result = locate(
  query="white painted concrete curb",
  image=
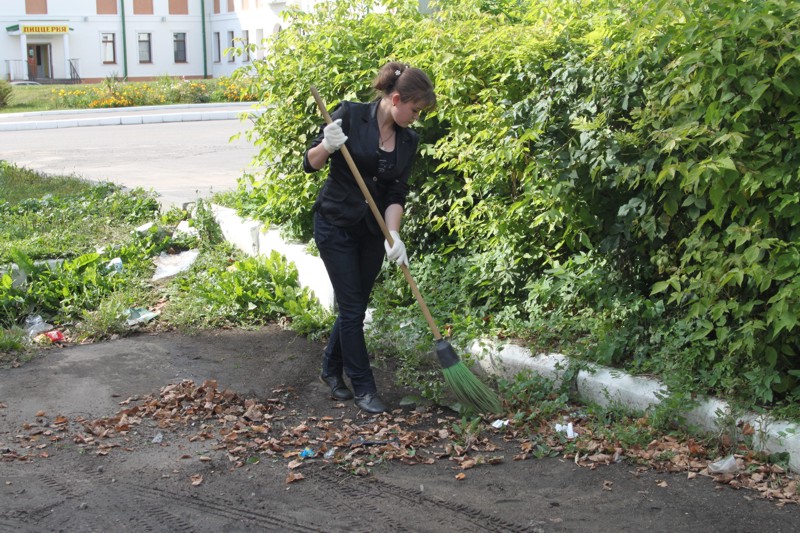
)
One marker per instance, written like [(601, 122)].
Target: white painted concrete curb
[(128, 116), (606, 386), (601, 385), (253, 239), (123, 120)]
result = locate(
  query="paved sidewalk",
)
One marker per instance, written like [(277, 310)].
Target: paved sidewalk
[(72, 118)]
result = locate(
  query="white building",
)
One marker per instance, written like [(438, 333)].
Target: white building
[(89, 40)]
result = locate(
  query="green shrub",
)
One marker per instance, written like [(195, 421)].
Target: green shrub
[(6, 93), (626, 173)]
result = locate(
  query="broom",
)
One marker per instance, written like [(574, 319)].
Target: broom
[(468, 389)]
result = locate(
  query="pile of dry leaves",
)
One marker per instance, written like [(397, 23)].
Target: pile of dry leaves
[(245, 430)]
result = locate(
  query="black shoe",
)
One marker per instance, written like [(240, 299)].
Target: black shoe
[(371, 403), (339, 390)]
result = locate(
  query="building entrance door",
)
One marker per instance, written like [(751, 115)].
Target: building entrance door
[(40, 65)]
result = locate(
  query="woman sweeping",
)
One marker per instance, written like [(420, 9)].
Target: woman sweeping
[(348, 237)]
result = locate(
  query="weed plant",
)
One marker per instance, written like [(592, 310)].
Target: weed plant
[(6, 93), (104, 268), (46, 218)]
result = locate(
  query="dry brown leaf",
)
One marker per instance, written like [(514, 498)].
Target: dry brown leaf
[(607, 485), (197, 479), (662, 484), (468, 463), (460, 476), (294, 476)]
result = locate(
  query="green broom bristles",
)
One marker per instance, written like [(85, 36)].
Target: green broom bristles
[(470, 390)]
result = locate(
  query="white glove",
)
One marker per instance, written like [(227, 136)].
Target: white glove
[(334, 137), (396, 252)]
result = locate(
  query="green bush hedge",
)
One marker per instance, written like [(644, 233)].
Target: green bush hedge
[(627, 175), (6, 93)]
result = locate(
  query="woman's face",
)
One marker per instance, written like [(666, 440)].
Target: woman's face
[(405, 113)]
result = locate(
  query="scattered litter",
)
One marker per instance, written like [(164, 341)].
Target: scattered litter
[(55, 336), (158, 438), (330, 453), (723, 466), (144, 228), (307, 452), (35, 325), (139, 315), (497, 424), (115, 264), (567, 429), (169, 265), (184, 228)]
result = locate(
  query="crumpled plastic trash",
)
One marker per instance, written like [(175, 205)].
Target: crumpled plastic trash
[(158, 438), (726, 465), (307, 452), (497, 424), (567, 429), (35, 325), (183, 227), (115, 265), (139, 315), (55, 336), (169, 265)]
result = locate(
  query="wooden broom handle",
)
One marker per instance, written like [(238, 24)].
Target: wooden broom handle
[(379, 217)]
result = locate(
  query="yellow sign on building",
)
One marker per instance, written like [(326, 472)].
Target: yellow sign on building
[(44, 29)]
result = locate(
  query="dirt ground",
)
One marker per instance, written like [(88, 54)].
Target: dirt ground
[(130, 435)]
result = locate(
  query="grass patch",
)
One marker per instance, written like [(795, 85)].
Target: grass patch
[(104, 275), (18, 184), (63, 217), (29, 98)]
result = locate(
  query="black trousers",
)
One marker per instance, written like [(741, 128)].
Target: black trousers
[(353, 257)]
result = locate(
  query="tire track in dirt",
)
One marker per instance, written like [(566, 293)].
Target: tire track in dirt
[(130, 507), (460, 517), (221, 508)]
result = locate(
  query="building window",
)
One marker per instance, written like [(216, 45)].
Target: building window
[(109, 48), (178, 7), (245, 42), (245, 5), (231, 7), (217, 49), (216, 6), (142, 7), (144, 48), (231, 44), (36, 7), (179, 46), (107, 7)]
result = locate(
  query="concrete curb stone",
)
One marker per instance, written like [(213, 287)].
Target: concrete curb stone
[(124, 116)]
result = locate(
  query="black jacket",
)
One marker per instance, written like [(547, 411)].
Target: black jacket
[(340, 201)]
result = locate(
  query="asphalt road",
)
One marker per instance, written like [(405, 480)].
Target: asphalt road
[(180, 160)]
